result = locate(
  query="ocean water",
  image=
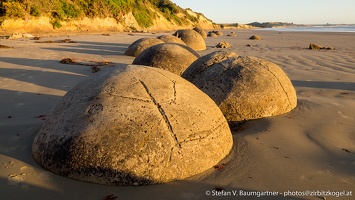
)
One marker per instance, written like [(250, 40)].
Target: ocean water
[(317, 28)]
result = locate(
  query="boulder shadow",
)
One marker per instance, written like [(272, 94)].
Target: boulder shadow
[(95, 48), (64, 78)]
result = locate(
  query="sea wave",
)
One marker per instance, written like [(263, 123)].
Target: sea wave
[(316, 28)]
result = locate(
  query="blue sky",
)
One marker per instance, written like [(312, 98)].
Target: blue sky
[(296, 11)]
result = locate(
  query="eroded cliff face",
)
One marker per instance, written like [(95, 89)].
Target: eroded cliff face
[(125, 23), (203, 21)]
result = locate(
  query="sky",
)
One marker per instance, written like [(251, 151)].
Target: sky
[(292, 11)]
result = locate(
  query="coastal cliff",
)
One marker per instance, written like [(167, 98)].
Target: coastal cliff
[(94, 15)]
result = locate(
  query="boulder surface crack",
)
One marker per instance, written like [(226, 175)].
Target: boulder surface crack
[(162, 113), (134, 99), (206, 133), (174, 84), (174, 87), (277, 78)]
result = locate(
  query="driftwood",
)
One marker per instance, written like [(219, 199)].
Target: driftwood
[(93, 64)]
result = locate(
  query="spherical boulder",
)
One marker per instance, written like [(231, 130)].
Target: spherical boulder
[(244, 88), (172, 57), (191, 38), (201, 32), (133, 125), (255, 37), (171, 39), (139, 45), (212, 34)]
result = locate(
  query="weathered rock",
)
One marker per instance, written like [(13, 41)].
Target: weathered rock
[(133, 125), (191, 38), (243, 87), (15, 35), (223, 44), (314, 47), (27, 35), (4, 47), (171, 57), (255, 37), (171, 39), (212, 34), (317, 47), (201, 32), (232, 34), (219, 33), (139, 45)]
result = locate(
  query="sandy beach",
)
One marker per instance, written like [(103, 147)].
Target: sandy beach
[(311, 148)]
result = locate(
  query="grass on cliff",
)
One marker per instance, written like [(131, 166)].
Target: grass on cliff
[(60, 10)]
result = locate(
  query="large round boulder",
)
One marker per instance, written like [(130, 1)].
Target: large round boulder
[(139, 45), (191, 38), (133, 125), (255, 37), (171, 39), (243, 87), (201, 32), (172, 57)]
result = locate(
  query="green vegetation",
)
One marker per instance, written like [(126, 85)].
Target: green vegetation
[(56, 24), (60, 10), (269, 24)]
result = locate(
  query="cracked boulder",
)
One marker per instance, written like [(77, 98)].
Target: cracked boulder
[(171, 39), (140, 45), (133, 125), (244, 88), (192, 39), (174, 58), (223, 45)]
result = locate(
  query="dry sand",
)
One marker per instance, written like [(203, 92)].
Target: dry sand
[(311, 148)]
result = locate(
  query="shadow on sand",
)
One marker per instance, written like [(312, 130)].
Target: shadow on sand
[(95, 48), (325, 85)]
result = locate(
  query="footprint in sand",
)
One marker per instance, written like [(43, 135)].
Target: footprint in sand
[(319, 173), (344, 116), (18, 180), (15, 179)]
